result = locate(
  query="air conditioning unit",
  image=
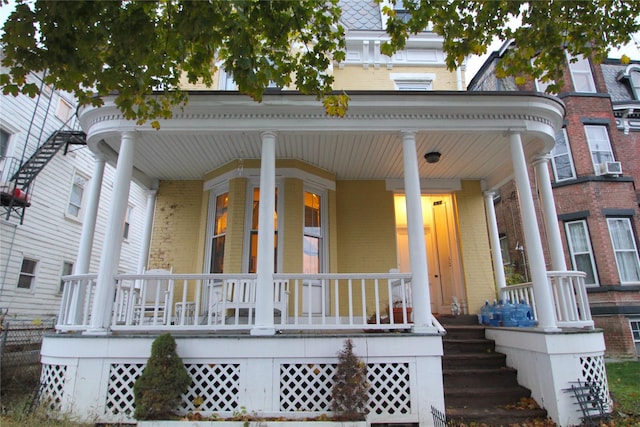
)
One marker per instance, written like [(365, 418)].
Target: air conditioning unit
[(610, 168)]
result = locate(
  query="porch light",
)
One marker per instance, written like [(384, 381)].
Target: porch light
[(432, 157)]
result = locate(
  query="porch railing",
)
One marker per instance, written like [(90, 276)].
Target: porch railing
[(571, 304), (161, 301)]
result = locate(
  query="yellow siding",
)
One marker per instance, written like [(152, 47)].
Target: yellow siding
[(292, 233), (366, 230), (177, 226), (474, 245), (357, 78), (234, 240)]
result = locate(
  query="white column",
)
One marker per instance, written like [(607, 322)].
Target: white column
[(265, 270), (83, 259), (105, 286), (541, 286), (148, 227), (494, 238), (549, 213), (415, 228)]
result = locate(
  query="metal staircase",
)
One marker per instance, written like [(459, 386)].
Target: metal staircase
[(15, 196)]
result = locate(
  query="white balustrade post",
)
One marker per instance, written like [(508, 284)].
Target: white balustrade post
[(148, 226), (264, 323), (83, 259), (415, 228), (494, 238), (549, 214), (105, 284), (541, 286)]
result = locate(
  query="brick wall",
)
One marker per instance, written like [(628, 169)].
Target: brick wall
[(617, 336)]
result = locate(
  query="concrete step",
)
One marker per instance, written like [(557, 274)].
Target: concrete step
[(480, 378), (468, 361), (465, 332), (480, 398), (495, 416), (456, 346)]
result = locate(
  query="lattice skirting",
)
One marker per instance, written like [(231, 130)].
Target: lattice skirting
[(593, 371), (215, 388), (52, 380)]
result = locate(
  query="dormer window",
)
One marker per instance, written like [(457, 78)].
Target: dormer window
[(632, 74)]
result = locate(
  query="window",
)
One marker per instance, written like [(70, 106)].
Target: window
[(580, 250), (312, 244), (504, 250), (75, 199), (4, 143), (581, 75), (219, 233), (635, 331), (27, 273), (624, 247), (561, 158), (253, 235), (127, 222), (64, 110), (67, 269), (413, 81), (599, 145)]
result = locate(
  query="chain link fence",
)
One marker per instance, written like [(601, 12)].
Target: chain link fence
[(20, 343)]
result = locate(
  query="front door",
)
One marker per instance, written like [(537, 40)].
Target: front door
[(443, 261)]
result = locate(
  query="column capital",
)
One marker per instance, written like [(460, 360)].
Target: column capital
[(268, 134), (490, 194), (408, 134), (543, 158)]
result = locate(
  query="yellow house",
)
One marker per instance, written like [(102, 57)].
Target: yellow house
[(276, 232)]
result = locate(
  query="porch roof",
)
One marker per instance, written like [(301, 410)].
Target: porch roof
[(470, 130)]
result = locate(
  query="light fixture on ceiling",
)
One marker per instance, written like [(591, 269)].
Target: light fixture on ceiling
[(432, 157)]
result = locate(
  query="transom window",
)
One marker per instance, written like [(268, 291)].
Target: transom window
[(27, 273), (561, 158), (624, 247), (580, 250), (599, 145)]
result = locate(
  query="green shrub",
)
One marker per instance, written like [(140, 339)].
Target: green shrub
[(157, 391), (350, 387)]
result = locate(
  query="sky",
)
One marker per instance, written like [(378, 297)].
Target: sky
[(473, 63)]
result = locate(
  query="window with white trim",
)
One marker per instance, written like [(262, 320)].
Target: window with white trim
[(4, 143), (581, 76), (635, 332), (67, 269), (625, 249), (64, 110), (27, 273), (413, 81), (580, 250), (561, 160), (504, 250), (127, 222), (218, 232), (313, 233), (253, 232), (599, 145), (76, 197)]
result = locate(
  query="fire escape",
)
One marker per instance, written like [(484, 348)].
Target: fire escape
[(15, 194)]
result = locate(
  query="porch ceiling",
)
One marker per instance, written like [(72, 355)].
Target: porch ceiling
[(470, 131)]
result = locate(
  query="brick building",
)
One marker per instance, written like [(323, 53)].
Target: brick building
[(595, 172)]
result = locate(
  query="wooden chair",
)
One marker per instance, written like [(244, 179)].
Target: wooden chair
[(152, 304)]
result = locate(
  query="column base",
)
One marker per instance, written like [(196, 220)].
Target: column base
[(263, 330)]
